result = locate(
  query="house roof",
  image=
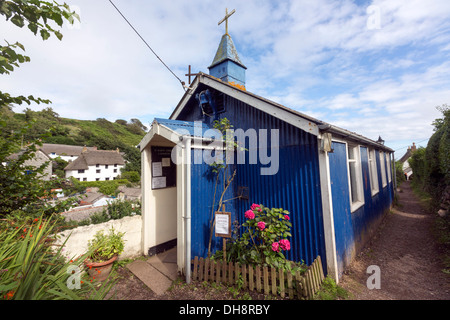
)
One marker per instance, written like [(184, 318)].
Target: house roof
[(64, 149), (293, 117), (226, 51), (15, 156), (94, 157)]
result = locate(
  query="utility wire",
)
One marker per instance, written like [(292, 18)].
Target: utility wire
[(182, 83)]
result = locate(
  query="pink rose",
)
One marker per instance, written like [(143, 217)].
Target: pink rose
[(261, 225), (276, 246), (254, 206), (285, 244), (249, 214), (287, 217)]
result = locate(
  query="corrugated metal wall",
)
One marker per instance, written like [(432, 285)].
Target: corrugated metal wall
[(295, 187), (354, 229)]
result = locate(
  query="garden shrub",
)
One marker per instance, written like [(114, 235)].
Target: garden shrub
[(264, 238)]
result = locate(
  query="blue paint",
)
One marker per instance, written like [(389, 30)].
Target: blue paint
[(295, 187), (353, 229), (226, 64)]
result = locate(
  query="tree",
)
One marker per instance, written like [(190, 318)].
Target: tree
[(20, 186), (37, 16)]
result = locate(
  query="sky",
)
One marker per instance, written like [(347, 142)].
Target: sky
[(377, 68)]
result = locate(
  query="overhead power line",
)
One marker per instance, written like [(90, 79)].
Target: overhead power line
[(129, 23)]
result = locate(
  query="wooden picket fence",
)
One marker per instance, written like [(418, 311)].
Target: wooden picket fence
[(264, 279)]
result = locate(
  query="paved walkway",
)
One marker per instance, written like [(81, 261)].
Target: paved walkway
[(157, 272)]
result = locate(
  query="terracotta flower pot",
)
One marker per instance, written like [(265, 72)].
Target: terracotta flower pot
[(100, 270)]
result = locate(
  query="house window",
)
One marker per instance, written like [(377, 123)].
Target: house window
[(84, 179), (115, 166), (106, 166), (383, 169), (97, 171), (106, 179), (115, 170), (97, 179), (355, 177), (81, 171), (373, 172), (97, 166)]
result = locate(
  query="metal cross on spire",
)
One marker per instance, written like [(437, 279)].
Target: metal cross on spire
[(227, 15)]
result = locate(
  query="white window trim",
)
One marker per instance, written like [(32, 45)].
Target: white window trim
[(383, 169), (389, 167), (373, 172), (354, 205)]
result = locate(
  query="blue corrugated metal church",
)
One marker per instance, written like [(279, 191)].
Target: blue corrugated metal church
[(336, 184)]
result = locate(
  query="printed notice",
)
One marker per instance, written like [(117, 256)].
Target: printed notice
[(223, 224), (165, 162), (157, 169), (158, 182)]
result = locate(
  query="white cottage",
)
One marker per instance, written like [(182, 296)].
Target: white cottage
[(96, 165)]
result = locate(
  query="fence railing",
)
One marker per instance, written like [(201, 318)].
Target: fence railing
[(264, 279)]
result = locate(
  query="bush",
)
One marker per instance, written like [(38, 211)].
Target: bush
[(30, 269), (132, 176), (265, 237)]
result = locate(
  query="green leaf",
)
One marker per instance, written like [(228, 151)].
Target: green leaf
[(33, 27), (45, 34), (17, 20)]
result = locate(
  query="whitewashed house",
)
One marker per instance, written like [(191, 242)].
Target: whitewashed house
[(64, 151), (96, 165)]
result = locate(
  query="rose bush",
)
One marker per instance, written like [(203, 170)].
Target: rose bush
[(263, 238)]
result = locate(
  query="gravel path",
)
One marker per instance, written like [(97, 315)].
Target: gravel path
[(405, 250)]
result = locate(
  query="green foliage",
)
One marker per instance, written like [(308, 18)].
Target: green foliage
[(106, 187), (399, 172), (118, 209), (132, 176), (36, 15), (31, 269), (104, 246), (431, 166), (21, 185), (263, 239), (329, 290), (101, 133)]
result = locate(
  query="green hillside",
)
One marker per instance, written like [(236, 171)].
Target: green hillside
[(100, 133)]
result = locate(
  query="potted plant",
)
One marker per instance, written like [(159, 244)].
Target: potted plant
[(104, 250)]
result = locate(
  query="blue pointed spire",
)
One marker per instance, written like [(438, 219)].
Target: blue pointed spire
[(226, 64)]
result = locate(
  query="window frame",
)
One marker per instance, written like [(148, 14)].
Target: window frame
[(373, 172), (358, 187), (383, 169)]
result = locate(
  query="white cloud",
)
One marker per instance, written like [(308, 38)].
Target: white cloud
[(318, 57)]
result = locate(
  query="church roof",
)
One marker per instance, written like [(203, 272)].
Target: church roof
[(226, 51)]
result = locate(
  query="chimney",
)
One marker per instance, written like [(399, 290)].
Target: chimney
[(413, 148), (84, 150)]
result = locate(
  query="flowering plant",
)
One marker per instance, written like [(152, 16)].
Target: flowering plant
[(264, 237)]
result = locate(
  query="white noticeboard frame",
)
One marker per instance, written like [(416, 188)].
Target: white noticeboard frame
[(223, 224)]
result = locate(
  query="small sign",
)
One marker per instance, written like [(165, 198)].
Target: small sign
[(223, 224), (158, 182), (157, 169)]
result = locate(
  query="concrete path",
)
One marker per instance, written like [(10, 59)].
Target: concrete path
[(157, 272)]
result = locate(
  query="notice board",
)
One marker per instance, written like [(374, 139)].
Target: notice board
[(164, 171)]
